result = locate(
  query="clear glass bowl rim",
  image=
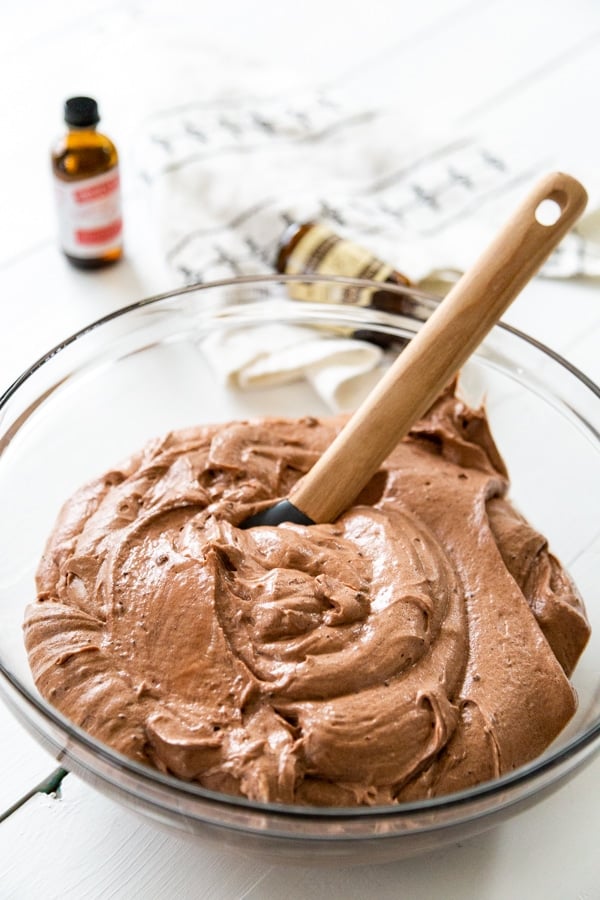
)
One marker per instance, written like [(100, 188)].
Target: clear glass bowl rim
[(190, 790)]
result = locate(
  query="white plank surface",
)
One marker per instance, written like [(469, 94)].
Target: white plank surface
[(530, 70)]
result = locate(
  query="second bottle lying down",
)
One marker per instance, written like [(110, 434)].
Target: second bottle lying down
[(312, 248)]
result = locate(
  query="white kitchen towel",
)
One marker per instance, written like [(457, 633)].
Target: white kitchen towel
[(225, 179), (338, 368)]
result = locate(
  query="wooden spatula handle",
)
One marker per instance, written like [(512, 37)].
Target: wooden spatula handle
[(437, 352)]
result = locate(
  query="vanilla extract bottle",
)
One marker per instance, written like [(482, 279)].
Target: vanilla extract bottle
[(311, 248), (85, 168)]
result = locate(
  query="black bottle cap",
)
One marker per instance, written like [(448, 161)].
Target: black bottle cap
[(81, 112)]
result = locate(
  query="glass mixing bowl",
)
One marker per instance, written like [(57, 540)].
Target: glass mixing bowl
[(141, 371)]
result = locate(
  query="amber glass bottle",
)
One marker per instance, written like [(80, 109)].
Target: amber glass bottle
[(85, 167), (314, 249)]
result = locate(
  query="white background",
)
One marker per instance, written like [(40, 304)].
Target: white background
[(526, 66)]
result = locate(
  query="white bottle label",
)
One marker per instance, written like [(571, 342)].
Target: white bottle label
[(89, 214)]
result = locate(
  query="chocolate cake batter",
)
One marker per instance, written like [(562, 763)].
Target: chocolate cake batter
[(420, 644)]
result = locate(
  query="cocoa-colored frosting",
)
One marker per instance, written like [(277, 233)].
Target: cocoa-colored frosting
[(420, 644)]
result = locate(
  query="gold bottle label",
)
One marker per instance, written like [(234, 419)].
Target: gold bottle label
[(321, 252)]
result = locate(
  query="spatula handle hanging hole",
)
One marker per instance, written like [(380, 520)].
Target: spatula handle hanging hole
[(548, 212)]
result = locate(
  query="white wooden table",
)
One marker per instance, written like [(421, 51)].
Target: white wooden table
[(456, 62)]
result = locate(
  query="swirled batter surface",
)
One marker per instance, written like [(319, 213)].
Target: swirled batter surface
[(420, 644)]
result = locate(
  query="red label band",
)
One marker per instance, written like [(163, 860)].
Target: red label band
[(97, 191), (98, 235)]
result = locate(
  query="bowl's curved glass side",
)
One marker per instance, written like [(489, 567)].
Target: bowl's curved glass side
[(358, 837), (57, 430)]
